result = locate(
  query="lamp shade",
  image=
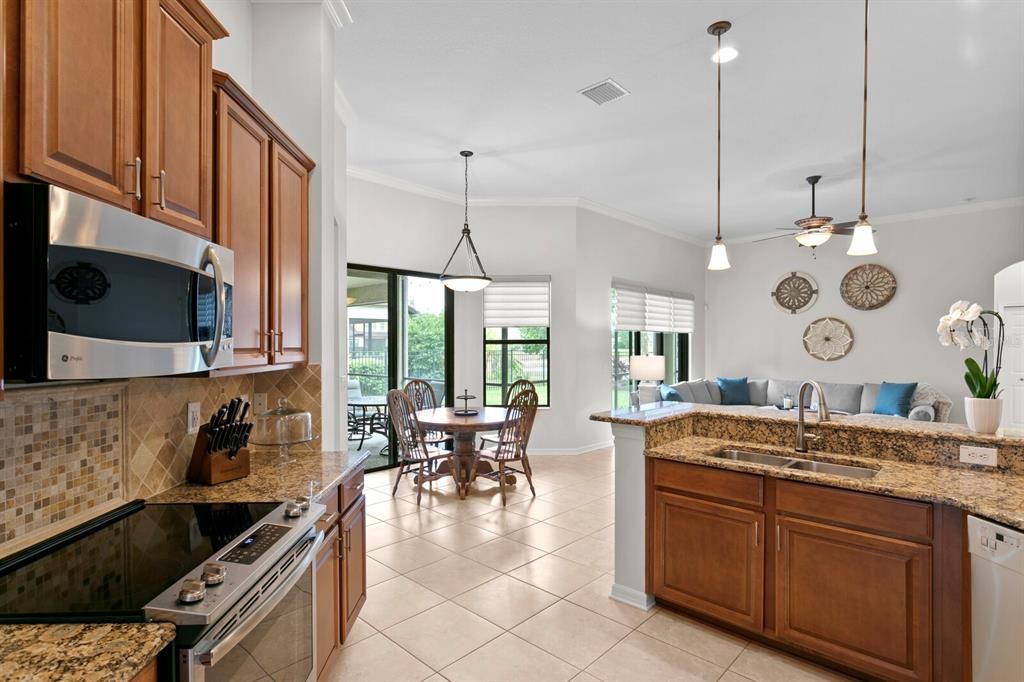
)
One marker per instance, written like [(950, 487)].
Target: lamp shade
[(719, 257), (814, 237), (863, 242), (647, 367)]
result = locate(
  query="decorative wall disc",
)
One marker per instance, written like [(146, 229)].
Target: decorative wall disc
[(867, 287), (795, 292), (828, 338)]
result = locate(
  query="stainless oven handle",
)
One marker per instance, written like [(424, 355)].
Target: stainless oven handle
[(210, 257), (218, 651)]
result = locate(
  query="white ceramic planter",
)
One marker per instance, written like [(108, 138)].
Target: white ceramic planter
[(983, 414)]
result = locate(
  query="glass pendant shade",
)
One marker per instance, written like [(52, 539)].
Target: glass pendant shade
[(863, 242), (813, 238), (719, 257), (465, 283)]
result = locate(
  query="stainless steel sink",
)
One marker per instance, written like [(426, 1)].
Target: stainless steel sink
[(795, 463), (753, 457), (828, 468)]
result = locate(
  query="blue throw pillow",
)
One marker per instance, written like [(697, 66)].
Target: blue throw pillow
[(894, 399), (734, 391), (669, 394)]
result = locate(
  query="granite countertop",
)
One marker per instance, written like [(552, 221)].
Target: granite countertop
[(79, 652), (272, 483), (653, 414), (997, 496)]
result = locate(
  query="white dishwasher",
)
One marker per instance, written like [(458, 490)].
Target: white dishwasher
[(997, 601)]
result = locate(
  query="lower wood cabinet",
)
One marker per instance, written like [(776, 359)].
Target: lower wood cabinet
[(709, 557), (872, 583), (340, 568), (327, 579), (353, 566), (861, 598)]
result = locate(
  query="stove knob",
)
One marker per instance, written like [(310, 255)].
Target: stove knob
[(191, 591), (303, 501), (293, 510), (214, 574)]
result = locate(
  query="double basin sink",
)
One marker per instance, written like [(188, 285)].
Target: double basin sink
[(795, 463)]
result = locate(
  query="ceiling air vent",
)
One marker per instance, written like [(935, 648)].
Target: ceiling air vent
[(604, 92)]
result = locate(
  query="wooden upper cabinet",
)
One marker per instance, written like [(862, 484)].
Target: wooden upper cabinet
[(709, 557), (289, 227), (243, 224), (179, 128), (856, 597), (81, 96)]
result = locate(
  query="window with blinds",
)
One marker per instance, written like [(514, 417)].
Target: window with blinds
[(646, 310), (517, 321)]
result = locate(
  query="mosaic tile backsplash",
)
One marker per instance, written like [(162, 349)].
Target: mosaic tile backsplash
[(67, 451)]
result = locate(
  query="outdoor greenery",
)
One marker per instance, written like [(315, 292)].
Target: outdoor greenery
[(426, 345)]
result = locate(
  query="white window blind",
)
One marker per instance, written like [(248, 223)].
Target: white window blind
[(518, 304), (646, 310)]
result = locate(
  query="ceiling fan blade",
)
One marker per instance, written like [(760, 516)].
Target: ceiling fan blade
[(792, 229), (844, 231), (849, 223), (777, 236)]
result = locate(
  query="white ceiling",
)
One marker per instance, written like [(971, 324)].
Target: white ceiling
[(426, 78)]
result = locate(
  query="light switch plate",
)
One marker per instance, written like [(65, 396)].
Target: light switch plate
[(193, 418), (259, 403), (975, 454)]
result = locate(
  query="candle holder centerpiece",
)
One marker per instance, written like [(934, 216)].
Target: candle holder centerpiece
[(466, 410)]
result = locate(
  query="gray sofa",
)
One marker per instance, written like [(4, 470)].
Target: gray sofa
[(928, 403)]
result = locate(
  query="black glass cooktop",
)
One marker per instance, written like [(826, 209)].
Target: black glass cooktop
[(110, 569)]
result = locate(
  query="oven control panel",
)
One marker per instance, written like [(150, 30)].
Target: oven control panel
[(253, 546)]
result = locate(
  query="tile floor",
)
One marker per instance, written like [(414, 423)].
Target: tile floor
[(464, 590)]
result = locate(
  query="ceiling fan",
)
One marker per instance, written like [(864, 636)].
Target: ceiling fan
[(814, 230)]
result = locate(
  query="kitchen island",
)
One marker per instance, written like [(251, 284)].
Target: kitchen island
[(867, 571)]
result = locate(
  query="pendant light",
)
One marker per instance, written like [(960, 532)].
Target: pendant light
[(476, 277), (719, 258), (863, 242)]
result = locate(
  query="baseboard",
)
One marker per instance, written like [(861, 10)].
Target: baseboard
[(635, 598), (573, 451)]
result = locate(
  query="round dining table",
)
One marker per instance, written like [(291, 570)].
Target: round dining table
[(464, 430)]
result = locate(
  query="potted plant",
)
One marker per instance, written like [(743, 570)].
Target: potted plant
[(964, 326)]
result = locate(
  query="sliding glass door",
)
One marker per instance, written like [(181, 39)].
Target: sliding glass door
[(400, 328)]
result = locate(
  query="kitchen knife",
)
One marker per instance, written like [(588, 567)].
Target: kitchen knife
[(245, 411), (233, 409)]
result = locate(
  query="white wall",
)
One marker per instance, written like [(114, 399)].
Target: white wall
[(234, 53), (610, 249), (936, 259), (582, 251)]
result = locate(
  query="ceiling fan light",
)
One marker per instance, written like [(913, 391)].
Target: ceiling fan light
[(813, 238), (863, 242), (719, 258)]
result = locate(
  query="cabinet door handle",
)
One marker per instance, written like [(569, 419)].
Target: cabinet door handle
[(348, 539), (757, 533), (162, 178), (271, 335), (138, 178), (341, 548), (778, 538)]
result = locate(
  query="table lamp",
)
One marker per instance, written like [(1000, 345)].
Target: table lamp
[(645, 368)]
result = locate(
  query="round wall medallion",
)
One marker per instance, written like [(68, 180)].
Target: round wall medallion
[(795, 292), (867, 287), (828, 338)]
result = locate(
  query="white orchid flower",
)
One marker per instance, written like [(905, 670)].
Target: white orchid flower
[(961, 338), (957, 309), (980, 340), (972, 313)]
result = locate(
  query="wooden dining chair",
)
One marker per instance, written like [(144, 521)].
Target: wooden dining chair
[(423, 398), (517, 387), (512, 439), (415, 456)]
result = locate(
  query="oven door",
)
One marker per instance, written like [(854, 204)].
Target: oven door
[(270, 635)]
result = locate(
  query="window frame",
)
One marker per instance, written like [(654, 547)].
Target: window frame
[(682, 360), (504, 342)]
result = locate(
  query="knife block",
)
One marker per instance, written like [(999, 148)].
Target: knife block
[(211, 468)]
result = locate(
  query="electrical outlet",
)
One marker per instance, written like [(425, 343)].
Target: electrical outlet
[(259, 403), (974, 454), (193, 420)]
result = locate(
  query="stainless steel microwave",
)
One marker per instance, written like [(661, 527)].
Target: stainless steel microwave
[(92, 291)]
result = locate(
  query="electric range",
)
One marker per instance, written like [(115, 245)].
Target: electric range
[(217, 571)]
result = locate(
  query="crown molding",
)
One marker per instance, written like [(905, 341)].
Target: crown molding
[(879, 221), (538, 202), (338, 13)]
